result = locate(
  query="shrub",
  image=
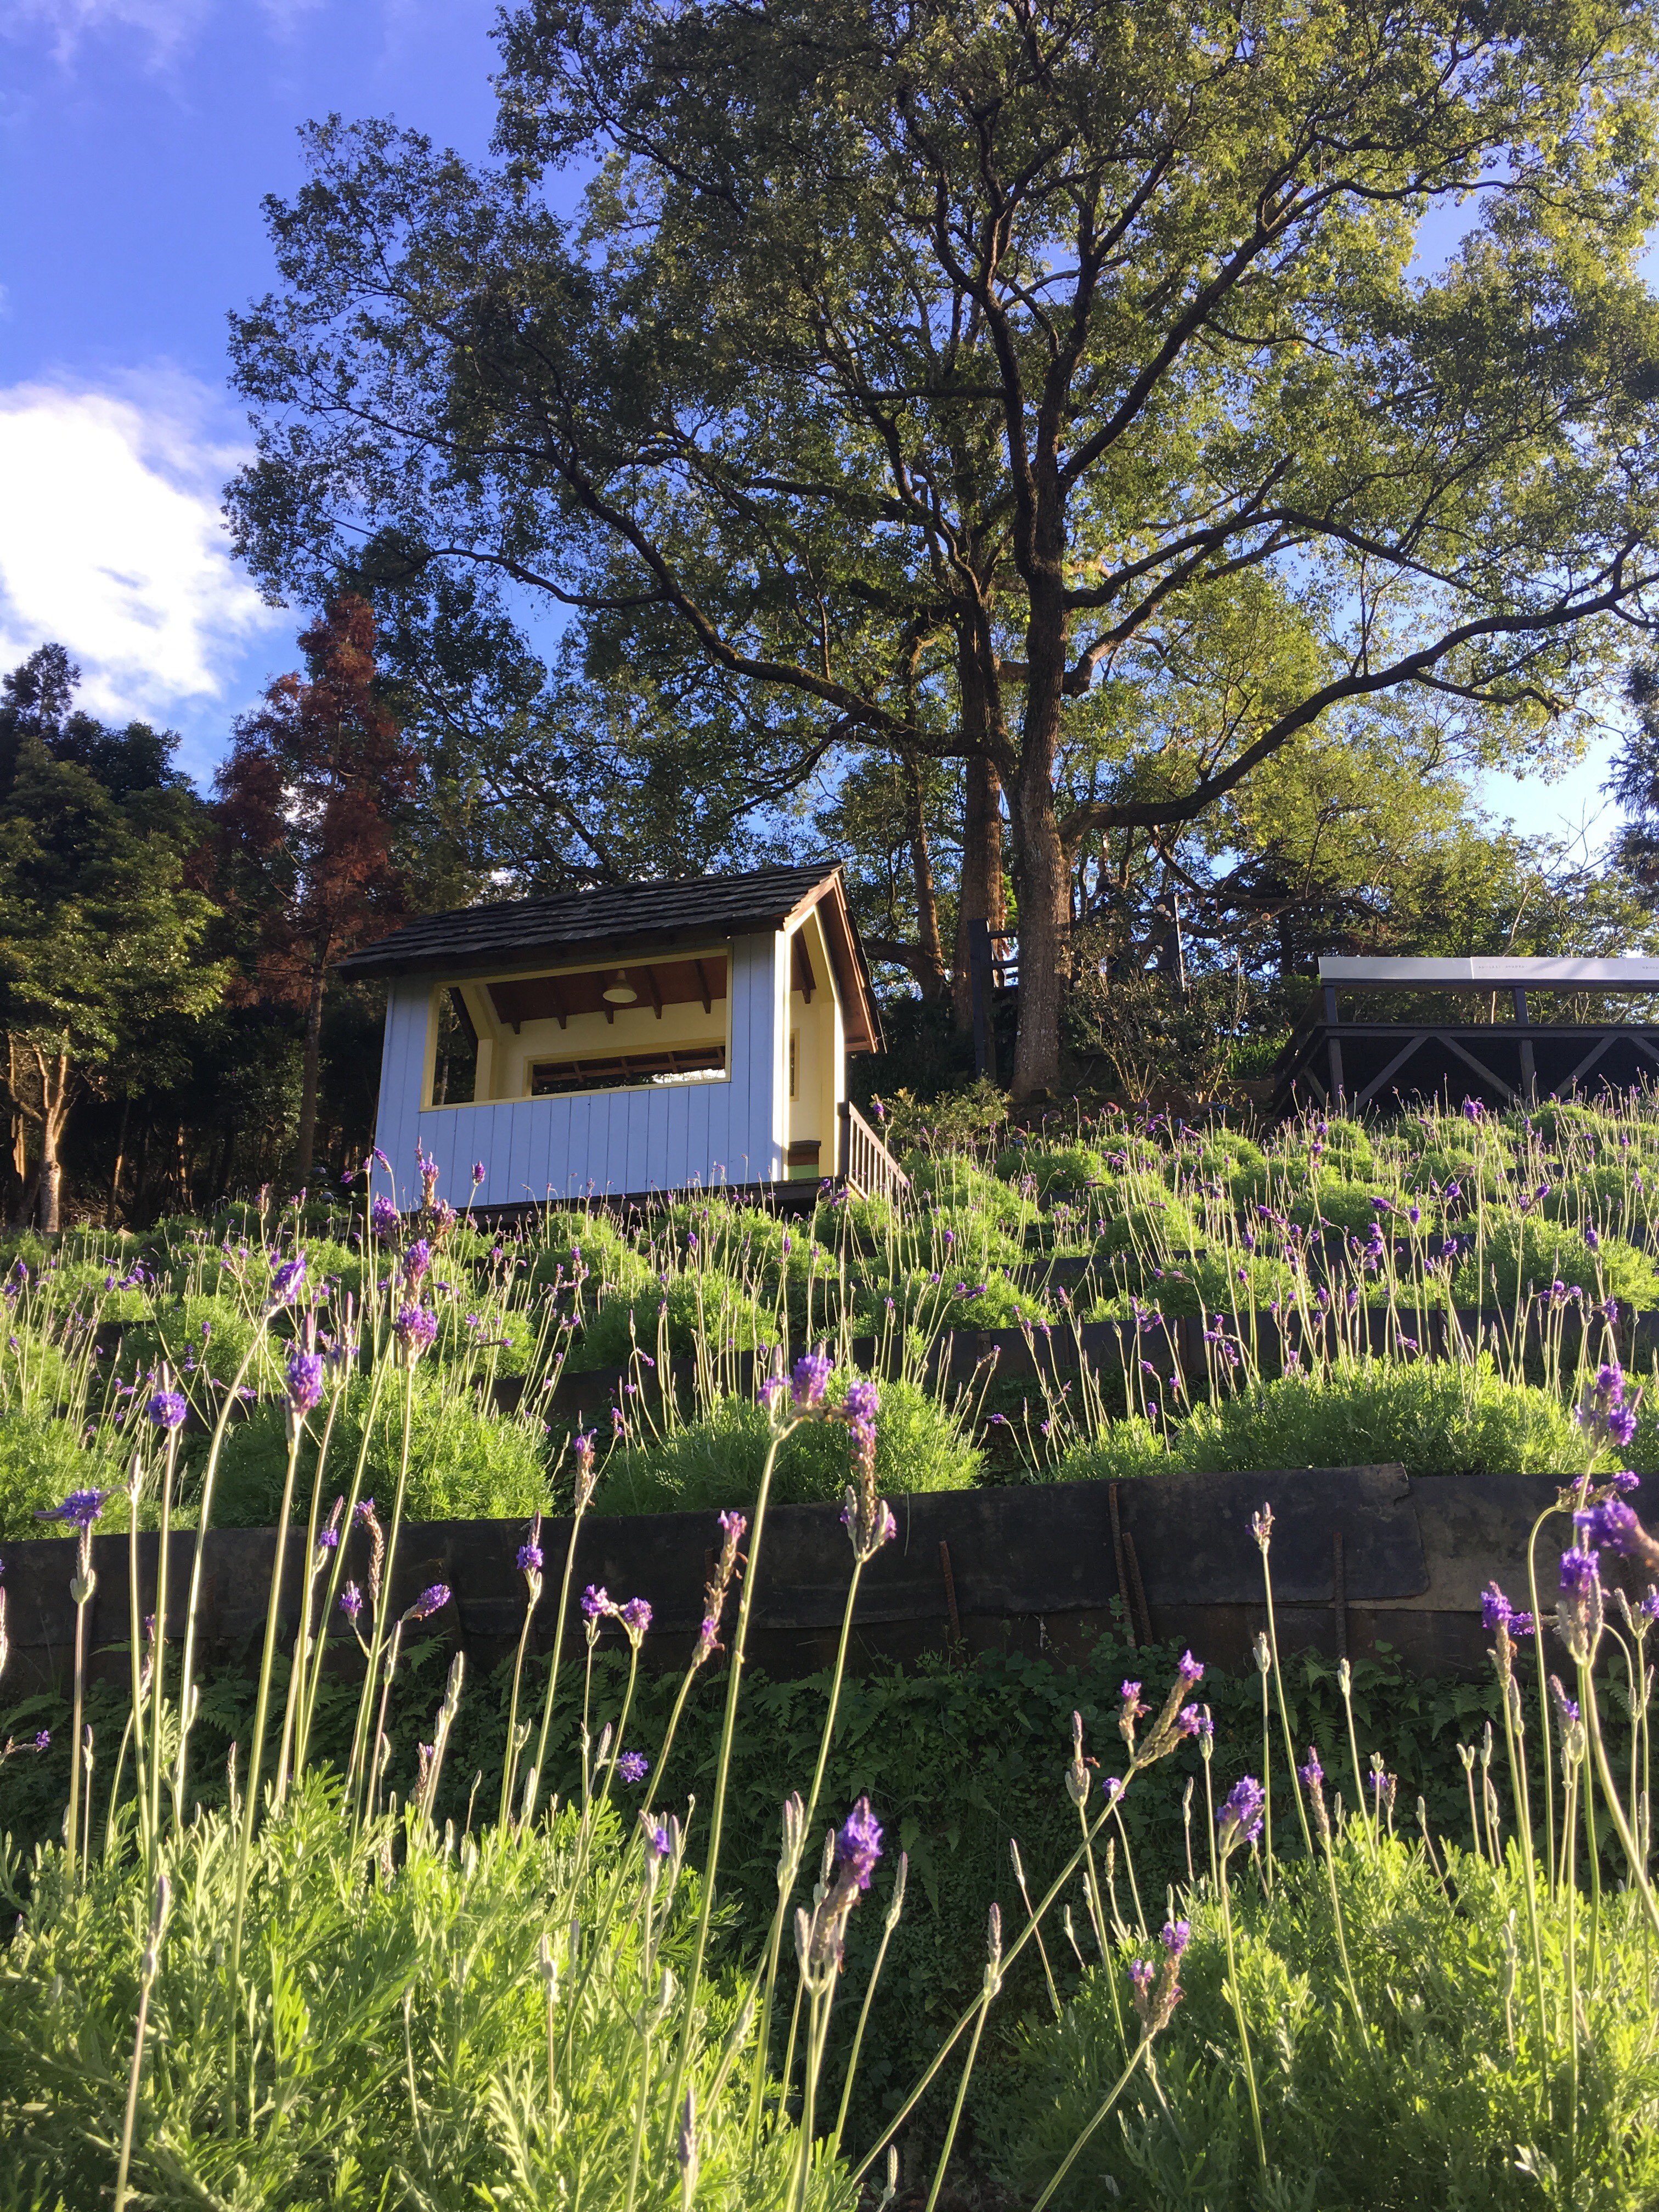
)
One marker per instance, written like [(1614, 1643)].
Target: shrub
[(41, 1461), (1523, 1254), (463, 1460), (1433, 1417), (1054, 1167), (944, 1299), (716, 1461), (706, 1303), (1444, 2102), (399, 2022)]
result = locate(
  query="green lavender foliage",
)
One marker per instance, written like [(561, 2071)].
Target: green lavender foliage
[(393, 2031), (1431, 1417), (1446, 2101), (1327, 1224)]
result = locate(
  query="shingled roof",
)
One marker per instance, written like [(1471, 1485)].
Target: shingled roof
[(571, 923)]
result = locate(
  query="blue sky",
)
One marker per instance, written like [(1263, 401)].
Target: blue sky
[(137, 139)]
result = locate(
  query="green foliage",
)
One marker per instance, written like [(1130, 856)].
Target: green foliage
[(1431, 1417), (706, 1305), (1446, 2101), (41, 1461), (716, 1461), (465, 1461), (397, 2023), (1525, 1256)]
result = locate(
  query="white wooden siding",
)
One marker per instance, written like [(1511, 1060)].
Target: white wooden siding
[(596, 1144)]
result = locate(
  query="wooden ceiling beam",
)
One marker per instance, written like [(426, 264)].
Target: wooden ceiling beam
[(654, 988), (702, 985)]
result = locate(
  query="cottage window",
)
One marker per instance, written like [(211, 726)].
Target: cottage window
[(455, 1062), (626, 1071)]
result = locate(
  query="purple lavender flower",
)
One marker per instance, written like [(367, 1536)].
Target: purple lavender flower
[(596, 1602), (81, 1507), (858, 1843), (1142, 1973), (1624, 1481), (1611, 1523), (415, 1328), (1496, 1611), (659, 1842), (1176, 1936), (1313, 1774), (1579, 1574), (433, 1599), (167, 1409), (328, 1540), (1240, 1817), (384, 1217), (417, 1263), (1192, 1720), (734, 1527), (305, 1381), (43, 1741), (351, 1601), (1565, 1706), (529, 1559), (810, 1379), (288, 1282), (1190, 1670), (633, 1767), (636, 1617), (480, 1173), (859, 1405)]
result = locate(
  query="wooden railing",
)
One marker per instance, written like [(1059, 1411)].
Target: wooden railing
[(864, 1164)]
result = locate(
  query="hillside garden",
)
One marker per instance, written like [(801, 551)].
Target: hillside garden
[(331, 1926)]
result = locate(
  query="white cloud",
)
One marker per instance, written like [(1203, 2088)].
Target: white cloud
[(165, 25), (111, 542)]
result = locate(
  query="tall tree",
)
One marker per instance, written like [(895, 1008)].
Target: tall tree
[(102, 969), (310, 799), (1042, 323)]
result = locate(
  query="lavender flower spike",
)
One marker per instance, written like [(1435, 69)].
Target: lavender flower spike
[(810, 1379), (81, 1507), (858, 1843), (305, 1382), (633, 1767), (431, 1599), (167, 1410), (1240, 1817), (635, 1618), (414, 1329)]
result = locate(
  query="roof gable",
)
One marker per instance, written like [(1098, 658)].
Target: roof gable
[(577, 922)]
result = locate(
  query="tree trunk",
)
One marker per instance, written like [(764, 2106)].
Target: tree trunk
[(930, 973), (1045, 907), (308, 1081), (1042, 878), (981, 892), (120, 1157), (54, 1112), (226, 1158)]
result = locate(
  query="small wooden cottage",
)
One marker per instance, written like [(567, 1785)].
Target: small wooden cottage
[(613, 1043)]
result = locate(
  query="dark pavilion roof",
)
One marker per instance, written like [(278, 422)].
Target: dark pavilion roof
[(571, 924)]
